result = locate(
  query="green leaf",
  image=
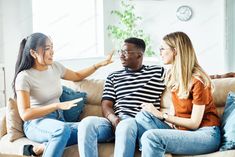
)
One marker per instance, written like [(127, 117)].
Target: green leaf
[(127, 26)]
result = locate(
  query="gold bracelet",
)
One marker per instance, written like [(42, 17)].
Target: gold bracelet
[(95, 67)]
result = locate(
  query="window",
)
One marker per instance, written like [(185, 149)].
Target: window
[(76, 27)]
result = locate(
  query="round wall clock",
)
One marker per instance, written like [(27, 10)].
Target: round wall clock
[(184, 13)]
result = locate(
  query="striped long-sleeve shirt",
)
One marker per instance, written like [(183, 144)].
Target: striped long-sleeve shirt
[(129, 89)]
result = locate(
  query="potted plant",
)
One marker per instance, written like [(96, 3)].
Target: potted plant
[(128, 27)]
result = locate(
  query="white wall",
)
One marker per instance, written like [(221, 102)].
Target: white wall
[(206, 27), (16, 24), (109, 5), (1, 42)]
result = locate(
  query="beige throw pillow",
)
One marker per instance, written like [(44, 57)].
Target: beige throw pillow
[(3, 129), (14, 122)]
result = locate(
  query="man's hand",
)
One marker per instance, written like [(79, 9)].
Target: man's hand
[(114, 120), (107, 110)]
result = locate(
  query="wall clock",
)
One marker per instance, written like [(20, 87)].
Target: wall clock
[(184, 13)]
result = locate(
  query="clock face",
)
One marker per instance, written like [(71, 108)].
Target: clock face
[(184, 13)]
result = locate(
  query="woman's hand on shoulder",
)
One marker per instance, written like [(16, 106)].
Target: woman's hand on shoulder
[(68, 104)]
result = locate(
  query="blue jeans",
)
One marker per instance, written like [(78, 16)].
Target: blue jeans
[(98, 129), (161, 138), (53, 131)]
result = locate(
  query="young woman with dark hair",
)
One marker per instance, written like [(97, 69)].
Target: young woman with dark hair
[(37, 89)]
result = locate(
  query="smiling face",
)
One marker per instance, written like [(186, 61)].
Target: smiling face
[(131, 56), (167, 53), (48, 52), (44, 54)]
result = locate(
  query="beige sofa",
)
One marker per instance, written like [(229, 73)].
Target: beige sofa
[(94, 90)]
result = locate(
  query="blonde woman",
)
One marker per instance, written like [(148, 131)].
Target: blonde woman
[(194, 128)]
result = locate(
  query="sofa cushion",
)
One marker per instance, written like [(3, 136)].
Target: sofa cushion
[(93, 88), (73, 114), (91, 110), (15, 147), (228, 124), (13, 121)]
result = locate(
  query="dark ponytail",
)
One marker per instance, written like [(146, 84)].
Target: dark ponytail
[(25, 60), (20, 53)]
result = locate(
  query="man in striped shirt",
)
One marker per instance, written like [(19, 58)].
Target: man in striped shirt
[(124, 92)]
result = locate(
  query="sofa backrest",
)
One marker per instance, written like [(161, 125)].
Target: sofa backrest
[(94, 90), (222, 88)]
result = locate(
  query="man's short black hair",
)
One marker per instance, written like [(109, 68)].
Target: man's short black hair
[(139, 43)]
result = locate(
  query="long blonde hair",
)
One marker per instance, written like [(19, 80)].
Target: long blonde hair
[(184, 66)]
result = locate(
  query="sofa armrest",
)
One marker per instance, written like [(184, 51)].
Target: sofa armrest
[(3, 128)]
